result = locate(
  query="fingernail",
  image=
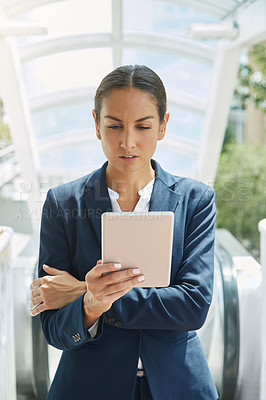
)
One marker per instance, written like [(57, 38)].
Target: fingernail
[(117, 265), (141, 278), (136, 271), (46, 266)]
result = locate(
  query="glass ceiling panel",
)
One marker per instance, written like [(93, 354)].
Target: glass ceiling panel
[(175, 162), (91, 154), (73, 156), (86, 67), (66, 70), (63, 118), (71, 18), (176, 72), (51, 121), (185, 123), (164, 17)]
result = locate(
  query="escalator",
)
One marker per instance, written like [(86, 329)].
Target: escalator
[(231, 335), (232, 321), (220, 335)]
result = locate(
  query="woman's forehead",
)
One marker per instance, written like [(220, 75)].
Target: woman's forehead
[(129, 98)]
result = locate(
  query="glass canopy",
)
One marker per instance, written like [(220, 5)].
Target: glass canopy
[(86, 40)]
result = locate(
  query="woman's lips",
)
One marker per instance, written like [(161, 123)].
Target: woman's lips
[(128, 158)]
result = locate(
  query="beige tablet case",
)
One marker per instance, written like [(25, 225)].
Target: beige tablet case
[(142, 240)]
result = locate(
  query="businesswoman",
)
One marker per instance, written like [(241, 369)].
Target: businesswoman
[(121, 342)]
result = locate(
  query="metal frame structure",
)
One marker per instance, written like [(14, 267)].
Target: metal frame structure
[(252, 29), (249, 18), (225, 58), (16, 103)]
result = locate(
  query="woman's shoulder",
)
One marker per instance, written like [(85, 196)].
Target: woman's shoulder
[(76, 188), (191, 185), (183, 185)]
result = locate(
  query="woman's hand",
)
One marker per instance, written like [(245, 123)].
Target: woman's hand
[(54, 291), (105, 284)]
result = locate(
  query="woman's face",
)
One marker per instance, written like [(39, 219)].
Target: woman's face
[(129, 129)]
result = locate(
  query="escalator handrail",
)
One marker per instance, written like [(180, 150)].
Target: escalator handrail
[(224, 254)]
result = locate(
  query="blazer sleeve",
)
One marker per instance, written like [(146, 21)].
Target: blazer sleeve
[(62, 328), (184, 305)]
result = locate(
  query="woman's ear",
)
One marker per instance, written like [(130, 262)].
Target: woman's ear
[(163, 126), (97, 125)]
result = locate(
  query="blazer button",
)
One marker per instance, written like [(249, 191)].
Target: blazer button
[(76, 337), (111, 320), (118, 324)]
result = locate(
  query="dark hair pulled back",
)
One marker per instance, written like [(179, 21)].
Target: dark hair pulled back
[(135, 76)]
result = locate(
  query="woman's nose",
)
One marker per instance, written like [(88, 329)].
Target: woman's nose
[(128, 140)]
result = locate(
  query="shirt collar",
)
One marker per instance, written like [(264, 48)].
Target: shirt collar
[(144, 193)]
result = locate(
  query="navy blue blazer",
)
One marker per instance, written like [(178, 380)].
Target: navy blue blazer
[(157, 324)]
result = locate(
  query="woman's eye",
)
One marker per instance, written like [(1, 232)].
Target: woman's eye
[(114, 127), (143, 127)]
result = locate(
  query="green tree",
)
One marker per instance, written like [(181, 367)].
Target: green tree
[(229, 138), (241, 193), (5, 137), (251, 85)]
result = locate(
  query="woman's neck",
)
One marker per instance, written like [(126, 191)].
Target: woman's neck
[(128, 185)]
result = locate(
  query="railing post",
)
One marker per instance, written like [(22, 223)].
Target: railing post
[(7, 344), (262, 230)]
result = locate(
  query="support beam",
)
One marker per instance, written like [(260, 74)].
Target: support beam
[(150, 42), (14, 97), (117, 31), (61, 98), (20, 28), (19, 7), (252, 28), (251, 24), (175, 97), (218, 9), (223, 83), (84, 136)]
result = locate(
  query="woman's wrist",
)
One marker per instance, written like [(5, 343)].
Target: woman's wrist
[(78, 290), (81, 288), (89, 316)]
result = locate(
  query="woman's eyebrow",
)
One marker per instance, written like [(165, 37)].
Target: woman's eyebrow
[(119, 120), (143, 119), (114, 118)]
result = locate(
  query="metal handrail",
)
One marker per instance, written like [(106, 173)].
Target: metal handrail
[(7, 355), (231, 323), (224, 319), (7, 150), (9, 167)]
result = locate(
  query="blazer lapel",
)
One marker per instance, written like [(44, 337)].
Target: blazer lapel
[(97, 200), (163, 198)]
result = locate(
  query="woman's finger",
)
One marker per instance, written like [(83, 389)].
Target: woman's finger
[(52, 270), (36, 292), (38, 309), (36, 300), (101, 269), (118, 276), (36, 283), (125, 285)]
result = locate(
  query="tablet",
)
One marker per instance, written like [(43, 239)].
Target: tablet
[(142, 240)]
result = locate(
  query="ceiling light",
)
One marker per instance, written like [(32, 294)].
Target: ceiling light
[(225, 30)]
